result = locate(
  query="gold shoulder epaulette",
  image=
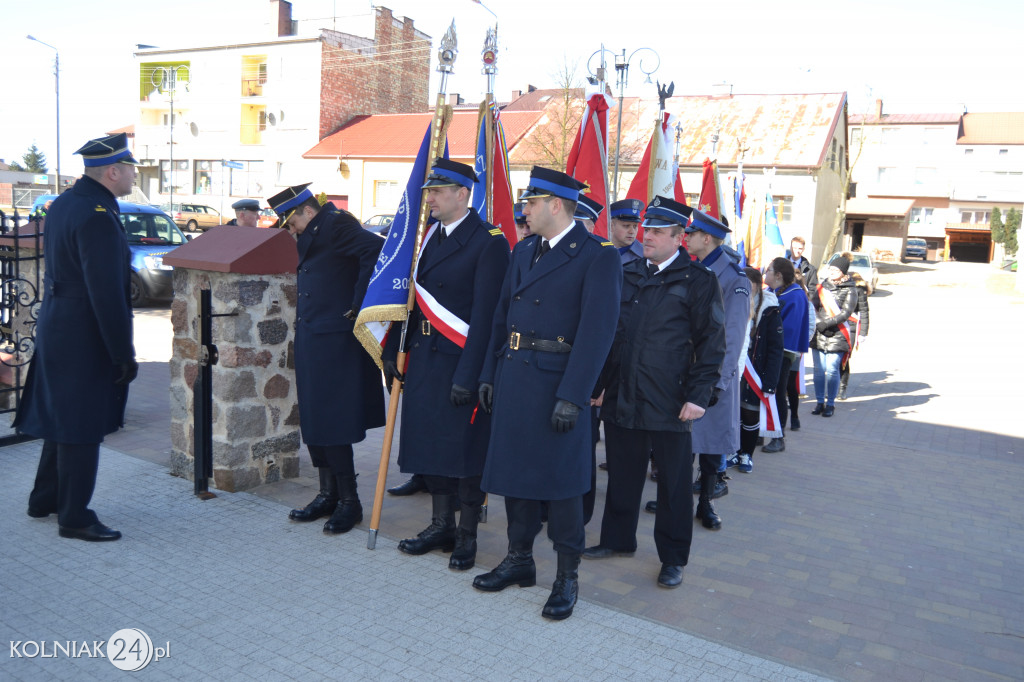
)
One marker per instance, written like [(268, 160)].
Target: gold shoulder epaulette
[(607, 244), (496, 232), (100, 209)]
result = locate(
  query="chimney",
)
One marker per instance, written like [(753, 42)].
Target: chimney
[(878, 109), (281, 17), (454, 99), (516, 94), (721, 90)]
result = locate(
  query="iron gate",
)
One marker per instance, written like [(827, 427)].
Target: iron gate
[(21, 273)]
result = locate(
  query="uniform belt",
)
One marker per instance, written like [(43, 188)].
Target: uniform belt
[(67, 289), (517, 341), (426, 328)]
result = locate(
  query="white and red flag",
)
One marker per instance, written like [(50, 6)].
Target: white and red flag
[(771, 426), (658, 174), (588, 158)]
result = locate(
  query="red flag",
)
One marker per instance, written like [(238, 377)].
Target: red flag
[(588, 158), (654, 180), (502, 213), (710, 194)]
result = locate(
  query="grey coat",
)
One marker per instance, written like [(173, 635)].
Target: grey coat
[(718, 431)]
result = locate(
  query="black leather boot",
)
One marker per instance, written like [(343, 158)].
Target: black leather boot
[(705, 511), (414, 485), (323, 504), (517, 568), (464, 554), (565, 590), (440, 534), (349, 511)]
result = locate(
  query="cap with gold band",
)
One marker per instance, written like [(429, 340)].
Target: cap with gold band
[(285, 203), (664, 212), (105, 151)]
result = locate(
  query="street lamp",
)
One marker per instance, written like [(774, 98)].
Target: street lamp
[(622, 79), (165, 79), (56, 75)]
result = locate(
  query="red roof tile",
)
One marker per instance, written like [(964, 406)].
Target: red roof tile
[(992, 128), (903, 119), (398, 136)]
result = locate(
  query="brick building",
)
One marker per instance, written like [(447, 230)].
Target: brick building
[(243, 113)]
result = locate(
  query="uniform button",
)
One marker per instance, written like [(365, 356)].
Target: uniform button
[(305, 269), (307, 294), (509, 356), (515, 298), (416, 345), (298, 319), (440, 285), (526, 362), (537, 302), (513, 327)]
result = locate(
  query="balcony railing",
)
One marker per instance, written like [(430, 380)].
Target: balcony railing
[(253, 87)]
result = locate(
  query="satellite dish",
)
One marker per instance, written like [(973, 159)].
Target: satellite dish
[(271, 119), (194, 129)]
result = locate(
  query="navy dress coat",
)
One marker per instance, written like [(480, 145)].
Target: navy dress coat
[(84, 328), (572, 294), (718, 431), (463, 273), (340, 389)]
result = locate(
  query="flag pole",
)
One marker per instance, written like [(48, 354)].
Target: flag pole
[(438, 135), (490, 59)]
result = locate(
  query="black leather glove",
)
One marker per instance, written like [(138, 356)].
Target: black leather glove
[(391, 373), (564, 417), (486, 395), (126, 372), (350, 314), (714, 396), (460, 396)]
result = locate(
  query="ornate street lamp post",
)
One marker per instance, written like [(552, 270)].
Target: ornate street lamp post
[(56, 75)]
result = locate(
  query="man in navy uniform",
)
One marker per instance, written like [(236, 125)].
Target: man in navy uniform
[(522, 229), (247, 213), (444, 437), (622, 228), (659, 377), (338, 384), (77, 384), (587, 212), (717, 435), (552, 330)]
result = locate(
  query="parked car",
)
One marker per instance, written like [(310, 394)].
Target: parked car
[(193, 217), (380, 224), (917, 248), (267, 218), (151, 235), (864, 265)]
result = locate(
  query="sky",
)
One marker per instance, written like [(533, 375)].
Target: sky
[(918, 56)]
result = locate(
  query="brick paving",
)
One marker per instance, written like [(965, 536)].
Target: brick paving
[(884, 544)]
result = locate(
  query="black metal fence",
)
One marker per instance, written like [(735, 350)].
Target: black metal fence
[(21, 272)]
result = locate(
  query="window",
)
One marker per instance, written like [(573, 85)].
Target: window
[(832, 155), (247, 181), (783, 209), (924, 176), (1004, 152), (890, 135), (386, 193), (968, 151), (167, 120), (856, 135), (182, 180), (253, 123), (210, 177), (921, 215), (974, 217), (150, 228), (692, 199), (885, 174)]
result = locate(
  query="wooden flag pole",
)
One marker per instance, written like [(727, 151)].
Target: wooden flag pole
[(438, 137)]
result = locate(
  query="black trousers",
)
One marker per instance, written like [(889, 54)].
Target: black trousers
[(628, 452), (780, 394), (793, 391), (565, 524), (595, 435), (65, 481), (467, 489), (750, 426), (339, 458)]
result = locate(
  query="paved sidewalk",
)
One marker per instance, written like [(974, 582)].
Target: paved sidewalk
[(241, 594), (883, 544)]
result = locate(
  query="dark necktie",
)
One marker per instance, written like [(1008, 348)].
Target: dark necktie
[(440, 235), (545, 246), (652, 270)]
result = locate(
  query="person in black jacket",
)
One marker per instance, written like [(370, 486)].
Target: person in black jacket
[(765, 353), (861, 328), (835, 302), (795, 254), (659, 377)]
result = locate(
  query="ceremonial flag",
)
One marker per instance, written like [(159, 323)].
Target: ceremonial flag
[(773, 244), (658, 174), (493, 190), (754, 239), (739, 196), (710, 193), (387, 295), (588, 158)]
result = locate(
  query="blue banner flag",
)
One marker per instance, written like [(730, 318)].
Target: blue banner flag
[(387, 295), (480, 164)]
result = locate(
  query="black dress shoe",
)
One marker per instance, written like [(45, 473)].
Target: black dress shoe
[(464, 555), (37, 513), (517, 568), (562, 600), (97, 532), (599, 552), (651, 508), (411, 487), (670, 576), (829, 411), (794, 424), (321, 506), (818, 409)]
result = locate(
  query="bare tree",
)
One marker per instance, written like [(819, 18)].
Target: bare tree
[(553, 137)]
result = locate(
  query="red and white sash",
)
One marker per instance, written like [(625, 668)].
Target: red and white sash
[(771, 425), (450, 325), (828, 301)]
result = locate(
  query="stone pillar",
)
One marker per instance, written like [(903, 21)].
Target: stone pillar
[(255, 404)]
